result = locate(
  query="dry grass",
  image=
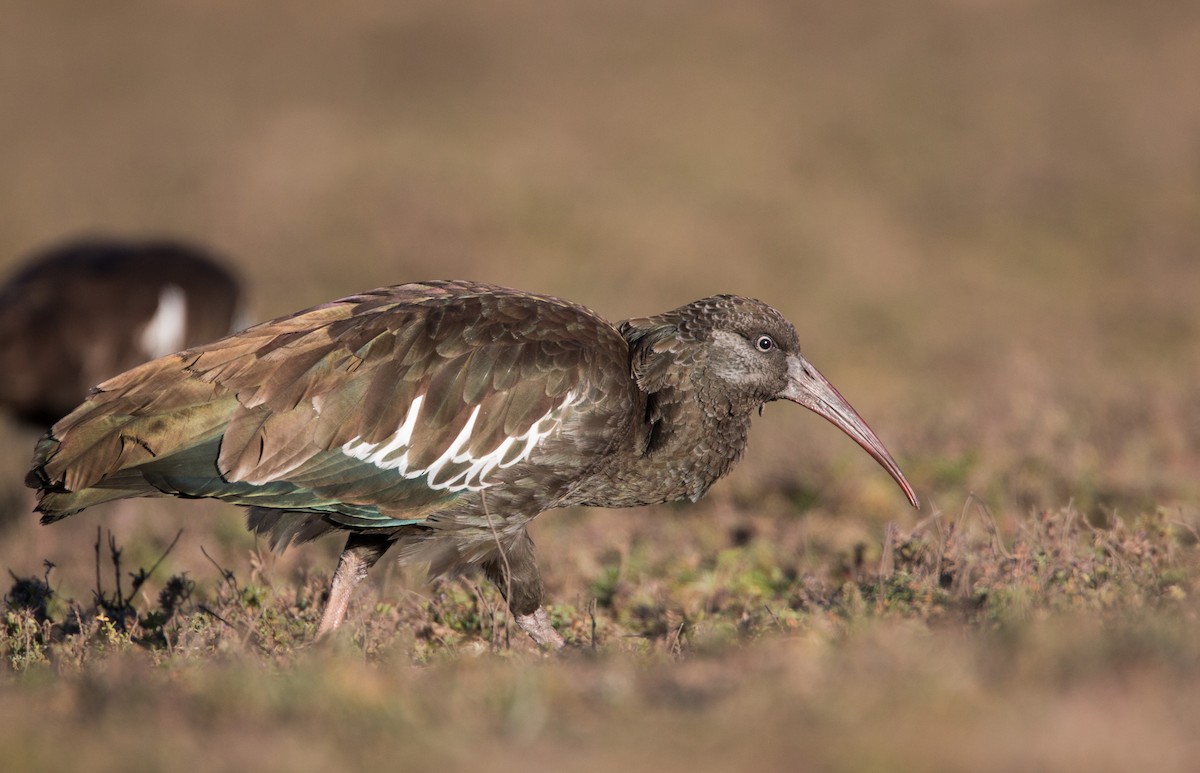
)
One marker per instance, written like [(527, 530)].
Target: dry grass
[(954, 648), (981, 216)]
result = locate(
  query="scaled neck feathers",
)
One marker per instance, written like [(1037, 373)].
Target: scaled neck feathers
[(688, 434)]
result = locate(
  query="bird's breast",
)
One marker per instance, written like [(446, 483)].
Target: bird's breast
[(676, 450)]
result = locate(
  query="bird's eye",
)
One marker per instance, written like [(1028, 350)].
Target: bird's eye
[(764, 343)]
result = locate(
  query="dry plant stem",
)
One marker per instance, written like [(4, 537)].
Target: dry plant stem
[(226, 574), (146, 575), (767, 607), (115, 553), (990, 522), (490, 609), (507, 569), (99, 585), (887, 558)]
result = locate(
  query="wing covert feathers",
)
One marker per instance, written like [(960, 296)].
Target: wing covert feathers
[(282, 399)]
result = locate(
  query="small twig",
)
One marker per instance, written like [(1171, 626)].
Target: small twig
[(674, 643), (115, 553), (935, 518), (1072, 516), (507, 569), (99, 585), (774, 619), (994, 528), (247, 631), (489, 608), (226, 574), (79, 623), (140, 578), (887, 557), (208, 611)]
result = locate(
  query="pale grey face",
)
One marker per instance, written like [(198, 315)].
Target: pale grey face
[(756, 354), (750, 350), (751, 365)]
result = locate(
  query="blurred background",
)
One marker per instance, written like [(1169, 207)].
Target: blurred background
[(982, 216)]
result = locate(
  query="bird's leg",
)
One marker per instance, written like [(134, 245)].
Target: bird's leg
[(516, 574), (359, 555)]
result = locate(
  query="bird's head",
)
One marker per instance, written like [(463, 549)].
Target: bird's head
[(750, 353)]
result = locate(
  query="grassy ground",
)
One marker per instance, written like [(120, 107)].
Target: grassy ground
[(984, 219)]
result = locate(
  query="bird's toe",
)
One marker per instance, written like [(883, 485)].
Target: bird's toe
[(537, 625)]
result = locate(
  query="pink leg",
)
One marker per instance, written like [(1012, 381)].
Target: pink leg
[(515, 573), (359, 555)]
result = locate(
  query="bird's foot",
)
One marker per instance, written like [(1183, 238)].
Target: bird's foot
[(537, 625)]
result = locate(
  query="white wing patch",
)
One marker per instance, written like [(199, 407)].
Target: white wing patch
[(164, 333), (469, 472)]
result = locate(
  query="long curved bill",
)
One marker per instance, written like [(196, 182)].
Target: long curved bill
[(809, 388)]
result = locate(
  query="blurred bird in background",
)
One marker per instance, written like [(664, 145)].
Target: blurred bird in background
[(83, 311)]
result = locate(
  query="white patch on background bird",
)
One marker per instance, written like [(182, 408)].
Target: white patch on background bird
[(242, 319), (392, 453), (164, 333)]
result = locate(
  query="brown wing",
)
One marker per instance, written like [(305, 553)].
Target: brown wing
[(379, 397)]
